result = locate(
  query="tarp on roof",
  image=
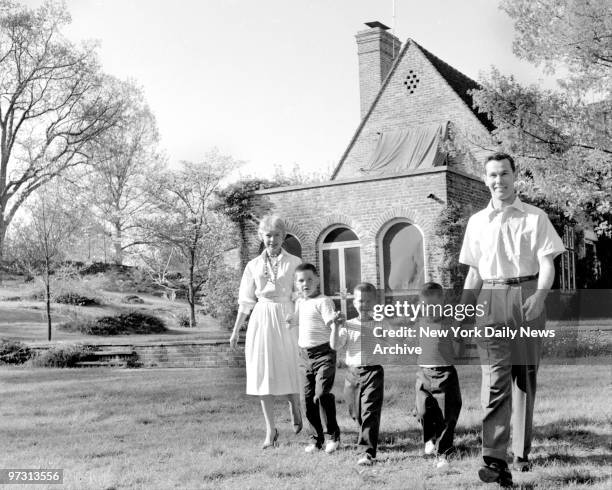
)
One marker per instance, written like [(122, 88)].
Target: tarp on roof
[(402, 150)]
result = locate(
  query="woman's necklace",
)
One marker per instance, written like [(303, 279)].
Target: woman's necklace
[(273, 268)]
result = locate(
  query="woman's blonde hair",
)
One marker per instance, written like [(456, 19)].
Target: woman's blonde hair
[(272, 222)]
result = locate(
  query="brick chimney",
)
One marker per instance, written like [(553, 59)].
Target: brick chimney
[(376, 49)]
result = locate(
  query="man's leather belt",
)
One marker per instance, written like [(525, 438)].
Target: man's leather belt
[(511, 280)]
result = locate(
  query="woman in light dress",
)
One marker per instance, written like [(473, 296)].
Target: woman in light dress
[(271, 349)]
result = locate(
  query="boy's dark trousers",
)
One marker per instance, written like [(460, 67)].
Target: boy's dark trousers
[(364, 388), (320, 401), (438, 403)]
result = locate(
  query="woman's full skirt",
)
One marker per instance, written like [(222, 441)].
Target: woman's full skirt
[(271, 351)]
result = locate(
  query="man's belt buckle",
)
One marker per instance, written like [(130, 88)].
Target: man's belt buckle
[(512, 280)]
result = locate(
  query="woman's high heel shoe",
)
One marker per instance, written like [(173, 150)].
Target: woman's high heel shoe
[(296, 421), (297, 425), (273, 442)]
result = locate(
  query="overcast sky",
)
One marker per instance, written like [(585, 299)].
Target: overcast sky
[(274, 81)]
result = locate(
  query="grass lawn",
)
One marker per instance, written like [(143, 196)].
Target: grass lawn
[(26, 321), (195, 428)]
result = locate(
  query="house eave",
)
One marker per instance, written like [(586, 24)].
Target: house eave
[(355, 180)]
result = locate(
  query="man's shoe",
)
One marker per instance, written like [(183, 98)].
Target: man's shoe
[(430, 448), (366, 460), (331, 446), (521, 464), (495, 473)]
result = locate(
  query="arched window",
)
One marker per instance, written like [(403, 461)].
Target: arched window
[(402, 259), (340, 267), (293, 246)]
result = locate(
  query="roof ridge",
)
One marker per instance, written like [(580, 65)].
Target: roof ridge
[(371, 109), (449, 73)]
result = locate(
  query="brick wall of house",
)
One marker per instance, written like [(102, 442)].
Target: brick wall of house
[(470, 193), (366, 206), (432, 101)]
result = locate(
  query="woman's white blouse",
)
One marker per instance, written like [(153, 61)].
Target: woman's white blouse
[(256, 285)]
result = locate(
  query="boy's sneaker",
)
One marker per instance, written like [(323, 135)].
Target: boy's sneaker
[(331, 446), (442, 463), (366, 460), (312, 448), (430, 448)]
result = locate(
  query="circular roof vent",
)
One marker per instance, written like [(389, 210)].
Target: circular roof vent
[(411, 82)]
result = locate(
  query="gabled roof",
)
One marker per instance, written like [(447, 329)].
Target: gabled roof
[(457, 81)]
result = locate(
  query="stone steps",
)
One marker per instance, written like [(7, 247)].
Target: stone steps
[(111, 357)]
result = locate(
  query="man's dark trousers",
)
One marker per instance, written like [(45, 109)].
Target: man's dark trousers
[(320, 364), (438, 404), (364, 388)]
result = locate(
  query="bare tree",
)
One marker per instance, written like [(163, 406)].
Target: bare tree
[(123, 158), (53, 102), (185, 222), (44, 238)]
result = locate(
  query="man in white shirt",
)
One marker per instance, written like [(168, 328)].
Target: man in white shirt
[(510, 247)]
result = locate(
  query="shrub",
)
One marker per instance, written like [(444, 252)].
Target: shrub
[(68, 288), (220, 297), (132, 299), (62, 356), (183, 319), (72, 298), (13, 352), (134, 323)]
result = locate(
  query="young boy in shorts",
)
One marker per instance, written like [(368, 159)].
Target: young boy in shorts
[(365, 379), (318, 322), (438, 397)]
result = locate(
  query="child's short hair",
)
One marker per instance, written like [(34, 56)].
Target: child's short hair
[(307, 266), (431, 289), (365, 288)]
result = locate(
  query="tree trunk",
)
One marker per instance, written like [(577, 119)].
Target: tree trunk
[(117, 243), (48, 297), (244, 248), (191, 294), (3, 228)]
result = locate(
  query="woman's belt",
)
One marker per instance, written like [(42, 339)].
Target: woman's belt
[(274, 300)]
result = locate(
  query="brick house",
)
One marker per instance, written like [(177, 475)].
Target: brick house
[(411, 156)]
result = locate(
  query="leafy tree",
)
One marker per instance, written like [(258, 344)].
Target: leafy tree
[(562, 137), (53, 102), (237, 201), (574, 33), (184, 221)]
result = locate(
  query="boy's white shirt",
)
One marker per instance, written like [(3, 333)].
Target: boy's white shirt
[(349, 339), (311, 333)]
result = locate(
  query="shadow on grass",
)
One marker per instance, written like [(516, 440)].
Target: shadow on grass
[(568, 459), (569, 430), (575, 477), (405, 440), (219, 475)]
